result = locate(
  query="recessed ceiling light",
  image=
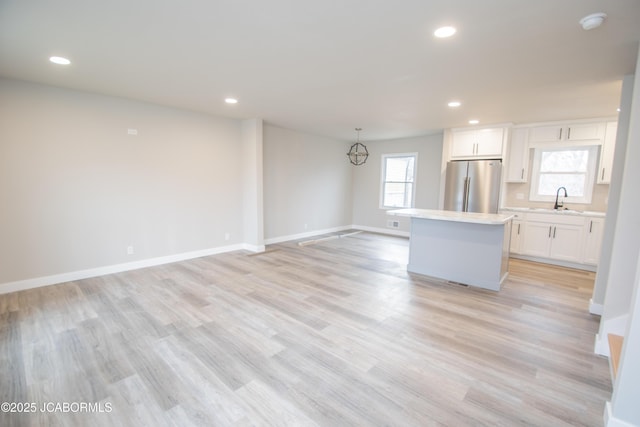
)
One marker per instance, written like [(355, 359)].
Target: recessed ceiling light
[(454, 104), (59, 60), (592, 21), (444, 32), (231, 100), (474, 122)]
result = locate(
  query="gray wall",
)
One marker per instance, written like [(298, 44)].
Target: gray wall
[(76, 189), (307, 183), (367, 179)]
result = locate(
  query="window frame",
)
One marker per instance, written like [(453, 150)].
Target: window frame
[(590, 174), (383, 182)]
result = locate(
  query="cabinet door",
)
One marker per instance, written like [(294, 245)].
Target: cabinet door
[(489, 142), (593, 240), (606, 153), (566, 242), (463, 143), (585, 131), (518, 160), (537, 239), (546, 133), (516, 236)]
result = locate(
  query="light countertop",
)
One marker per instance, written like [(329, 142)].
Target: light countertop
[(557, 212), (472, 217)]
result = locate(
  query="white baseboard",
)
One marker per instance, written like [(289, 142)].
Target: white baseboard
[(305, 235), (253, 248), (611, 421), (381, 230), (38, 282), (595, 308)]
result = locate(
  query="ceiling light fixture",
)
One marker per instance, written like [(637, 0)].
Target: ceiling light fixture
[(444, 32), (231, 100), (592, 21), (474, 122), (454, 104), (358, 153), (59, 60)]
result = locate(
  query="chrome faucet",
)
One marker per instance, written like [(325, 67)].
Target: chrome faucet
[(561, 204)]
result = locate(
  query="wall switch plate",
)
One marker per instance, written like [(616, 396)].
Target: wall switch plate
[(227, 236), (129, 250)]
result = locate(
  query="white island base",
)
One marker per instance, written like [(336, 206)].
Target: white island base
[(467, 248)]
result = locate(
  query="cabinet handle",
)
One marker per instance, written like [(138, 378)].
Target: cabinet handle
[(569, 133), (554, 232), (602, 179), (518, 229), (522, 174), (549, 231), (560, 134), (591, 227)]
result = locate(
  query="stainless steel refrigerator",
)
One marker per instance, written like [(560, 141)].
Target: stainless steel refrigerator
[(473, 186)]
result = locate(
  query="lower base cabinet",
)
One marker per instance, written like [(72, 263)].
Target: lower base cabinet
[(593, 240), (569, 238), (550, 240)]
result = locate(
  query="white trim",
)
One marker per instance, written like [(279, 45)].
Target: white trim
[(38, 282), (595, 308), (253, 248), (610, 420), (383, 175), (304, 235), (381, 230), (590, 174)]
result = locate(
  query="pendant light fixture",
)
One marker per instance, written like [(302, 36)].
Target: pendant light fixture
[(358, 152)]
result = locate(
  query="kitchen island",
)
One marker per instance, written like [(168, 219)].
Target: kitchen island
[(462, 247)]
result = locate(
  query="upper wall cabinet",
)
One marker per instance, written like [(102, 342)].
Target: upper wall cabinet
[(606, 153), (477, 143), (518, 158), (574, 132)]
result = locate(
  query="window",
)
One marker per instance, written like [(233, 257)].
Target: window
[(398, 178), (569, 167)]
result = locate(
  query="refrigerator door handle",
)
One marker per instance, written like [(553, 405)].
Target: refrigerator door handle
[(465, 195)]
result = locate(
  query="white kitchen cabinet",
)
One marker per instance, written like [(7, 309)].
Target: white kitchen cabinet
[(553, 236), (517, 229), (547, 133), (573, 132), (593, 240), (605, 166), (566, 242), (518, 160), (477, 143)]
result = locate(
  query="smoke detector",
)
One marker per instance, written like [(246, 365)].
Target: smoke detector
[(592, 21)]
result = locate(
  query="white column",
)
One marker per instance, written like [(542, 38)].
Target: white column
[(253, 209)]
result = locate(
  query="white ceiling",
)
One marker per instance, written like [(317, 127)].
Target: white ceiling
[(328, 66)]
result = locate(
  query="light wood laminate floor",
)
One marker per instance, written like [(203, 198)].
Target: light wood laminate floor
[(331, 334)]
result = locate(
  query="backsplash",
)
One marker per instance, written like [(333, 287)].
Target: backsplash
[(598, 201)]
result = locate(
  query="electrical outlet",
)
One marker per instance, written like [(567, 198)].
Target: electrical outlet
[(132, 132), (129, 250), (393, 223), (227, 236), (520, 196)]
